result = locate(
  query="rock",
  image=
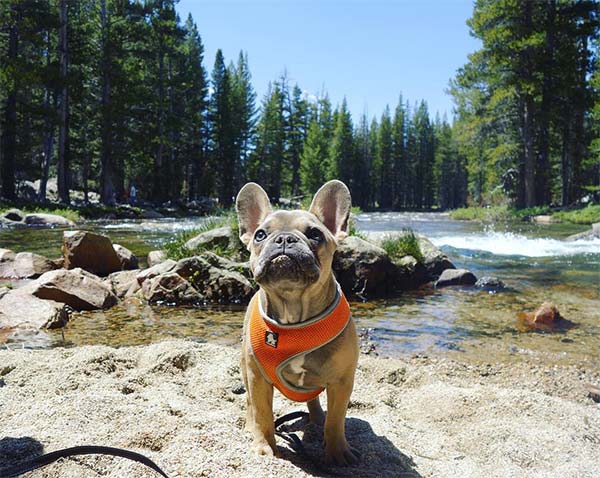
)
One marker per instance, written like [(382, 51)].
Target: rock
[(362, 268), (218, 237), (158, 269), (216, 284), (545, 317), (456, 277), (40, 314), (151, 214), (25, 265), (545, 219), (39, 219), (127, 258), (492, 284), (170, 288), (593, 233), (409, 273), (14, 215), (6, 255), (90, 251), (121, 282), (77, 288), (434, 260), (156, 257), (224, 263), (4, 290)]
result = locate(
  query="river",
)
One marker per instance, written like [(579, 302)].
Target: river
[(533, 260)]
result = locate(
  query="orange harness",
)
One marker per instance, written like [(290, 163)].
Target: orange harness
[(275, 345)]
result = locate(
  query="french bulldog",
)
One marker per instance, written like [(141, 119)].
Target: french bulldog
[(291, 254)]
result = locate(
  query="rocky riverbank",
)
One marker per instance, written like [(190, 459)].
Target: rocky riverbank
[(181, 404)]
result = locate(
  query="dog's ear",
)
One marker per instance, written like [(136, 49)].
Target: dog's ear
[(252, 206), (331, 205)]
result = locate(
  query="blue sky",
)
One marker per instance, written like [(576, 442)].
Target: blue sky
[(368, 51)]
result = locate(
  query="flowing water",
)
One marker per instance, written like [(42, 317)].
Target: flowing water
[(533, 260)]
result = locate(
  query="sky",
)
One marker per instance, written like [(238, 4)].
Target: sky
[(367, 51)]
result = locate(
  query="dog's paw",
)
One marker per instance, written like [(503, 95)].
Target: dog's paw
[(262, 447), (341, 454)]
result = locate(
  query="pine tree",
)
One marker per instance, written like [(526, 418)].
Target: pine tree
[(399, 172), (385, 160), (341, 153)]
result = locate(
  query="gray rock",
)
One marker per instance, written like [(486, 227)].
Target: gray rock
[(20, 309), (544, 219), (38, 219), (127, 258), (77, 288), (227, 264), (90, 251), (218, 237), (14, 215), (362, 268), (7, 255), (435, 261), (156, 270), (409, 273), (456, 277), (156, 257), (151, 214), (170, 288), (121, 282), (25, 265), (593, 233), (490, 284)]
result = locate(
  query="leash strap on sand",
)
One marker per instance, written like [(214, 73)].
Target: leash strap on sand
[(47, 459), (292, 439)]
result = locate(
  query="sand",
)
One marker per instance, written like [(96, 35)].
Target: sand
[(176, 402)]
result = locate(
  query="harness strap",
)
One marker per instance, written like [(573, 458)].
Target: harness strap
[(48, 458)]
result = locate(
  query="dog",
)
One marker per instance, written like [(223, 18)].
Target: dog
[(298, 335)]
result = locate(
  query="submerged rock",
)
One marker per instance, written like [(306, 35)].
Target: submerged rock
[(20, 309), (76, 288), (93, 252), (545, 317), (39, 219), (492, 284), (456, 277)]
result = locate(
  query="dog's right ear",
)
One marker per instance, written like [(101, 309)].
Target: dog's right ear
[(252, 205)]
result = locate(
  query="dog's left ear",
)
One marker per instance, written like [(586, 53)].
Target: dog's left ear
[(331, 205), (252, 205)]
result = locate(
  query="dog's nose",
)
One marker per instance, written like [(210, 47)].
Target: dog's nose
[(286, 239)]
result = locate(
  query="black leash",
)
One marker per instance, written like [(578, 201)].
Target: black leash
[(48, 458)]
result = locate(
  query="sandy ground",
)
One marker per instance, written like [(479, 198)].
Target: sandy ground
[(175, 402)]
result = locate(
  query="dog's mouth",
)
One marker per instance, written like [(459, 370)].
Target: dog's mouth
[(286, 267)]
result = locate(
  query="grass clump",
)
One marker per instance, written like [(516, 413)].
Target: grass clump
[(406, 244), (497, 213), (587, 215)]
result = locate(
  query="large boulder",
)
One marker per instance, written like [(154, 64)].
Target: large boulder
[(219, 237), (593, 233), (434, 260), (362, 268), (92, 252), (409, 273), (170, 288), (39, 219), (25, 265), (227, 264), (156, 257), (216, 284), (128, 259), (122, 281), (20, 309), (15, 215), (456, 277), (77, 288), (156, 270)]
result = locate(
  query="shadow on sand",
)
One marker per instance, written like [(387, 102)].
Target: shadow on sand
[(378, 456), (18, 450)]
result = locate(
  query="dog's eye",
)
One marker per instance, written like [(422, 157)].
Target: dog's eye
[(260, 235), (314, 234)]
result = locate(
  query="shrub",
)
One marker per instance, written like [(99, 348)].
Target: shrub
[(406, 244), (586, 215)]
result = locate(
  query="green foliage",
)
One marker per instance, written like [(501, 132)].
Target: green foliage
[(406, 244), (353, 230), (587, 215)]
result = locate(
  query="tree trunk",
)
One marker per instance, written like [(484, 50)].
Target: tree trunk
[(158, 159), (48, 147), (107, 195), (8, 141), (63, 131)]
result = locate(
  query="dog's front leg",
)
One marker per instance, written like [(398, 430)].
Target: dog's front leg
[(337, 450), (259, 415)]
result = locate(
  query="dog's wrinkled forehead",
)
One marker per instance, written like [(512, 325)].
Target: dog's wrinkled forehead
[(292, 221)]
